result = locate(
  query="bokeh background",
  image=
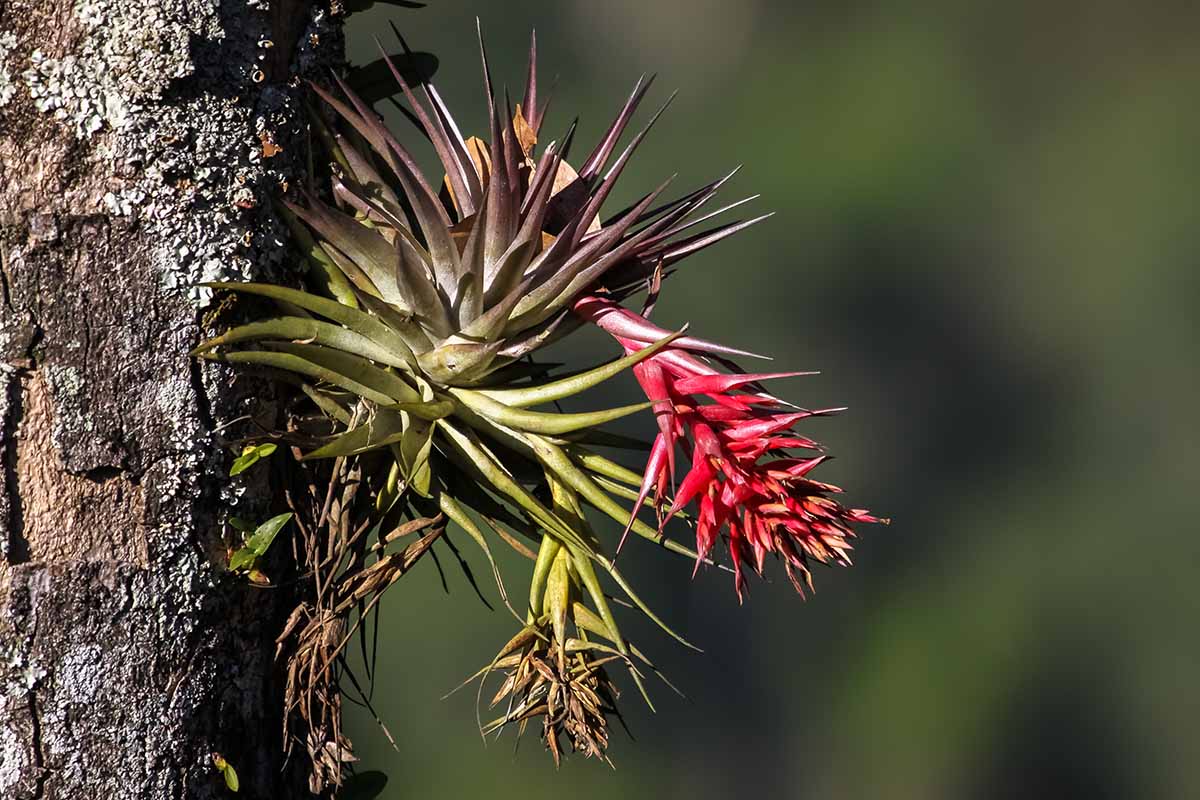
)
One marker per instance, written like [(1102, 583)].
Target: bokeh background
[(987, 241)]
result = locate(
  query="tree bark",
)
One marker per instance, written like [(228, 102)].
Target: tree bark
[(140, 143)]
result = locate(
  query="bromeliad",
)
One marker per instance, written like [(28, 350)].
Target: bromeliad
[(429, 299)]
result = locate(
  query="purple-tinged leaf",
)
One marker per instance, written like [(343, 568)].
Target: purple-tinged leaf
[(692, 199), (676, 229), (429, 211), (400, 320), (471, 290), (456, 169), (494, 320), (512, 268), (457, 141), (371, 133), (538, 303), (592, 209), (503, 211), (376, 209), (368, 178), (599, 157), (366, 248), (561, 324), (705, 240), (352, 271), (487, 71), (545, 170), (419, 289), (529, 107)]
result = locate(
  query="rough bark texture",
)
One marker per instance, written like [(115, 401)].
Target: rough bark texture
[(133, 139)]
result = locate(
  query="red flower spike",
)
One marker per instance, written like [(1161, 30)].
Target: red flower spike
[(719, 384), (743, 478)]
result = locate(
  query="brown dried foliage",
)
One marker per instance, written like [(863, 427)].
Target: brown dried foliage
[(344, 567), (563, 685)]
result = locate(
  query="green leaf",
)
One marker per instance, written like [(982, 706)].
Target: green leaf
[(328, 404), (415, 444), (251, 456), (458, 362), (399, 320), (645, 609), (566, 387), (327, 273), (561, 468), (356, 368), (546, 557), (258, 543), (228, 772), (558, 594), (588, 620), (598, 437), (603, 466), (555, 459), (256, 576), (539, 421), (265, 534), (242, 525), (431, 411), (486, 469), (352, 318), (458, 514), (241, 559), (382, 429), (298, 364), (353, 273), (313, 330)]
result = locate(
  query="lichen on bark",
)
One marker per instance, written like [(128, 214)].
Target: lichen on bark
[(131, 167)]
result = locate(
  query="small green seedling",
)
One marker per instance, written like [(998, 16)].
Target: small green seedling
[(251, 456), (226, 769), (256, 544)]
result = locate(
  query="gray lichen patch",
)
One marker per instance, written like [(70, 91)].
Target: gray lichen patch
[(225, 181), (66, 384), (193, 168), (8, 87), (129, 53), (99, 688), (183, 163)]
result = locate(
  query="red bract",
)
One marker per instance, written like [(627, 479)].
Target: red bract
[(742, 476)]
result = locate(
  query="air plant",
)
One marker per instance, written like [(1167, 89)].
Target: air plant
[(429, 301)]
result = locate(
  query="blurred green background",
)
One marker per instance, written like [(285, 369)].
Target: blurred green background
[(987, 241)]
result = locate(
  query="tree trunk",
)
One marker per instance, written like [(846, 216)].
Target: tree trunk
[(140, 143)]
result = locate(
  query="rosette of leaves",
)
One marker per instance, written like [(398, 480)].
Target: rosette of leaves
[(427, 303)]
